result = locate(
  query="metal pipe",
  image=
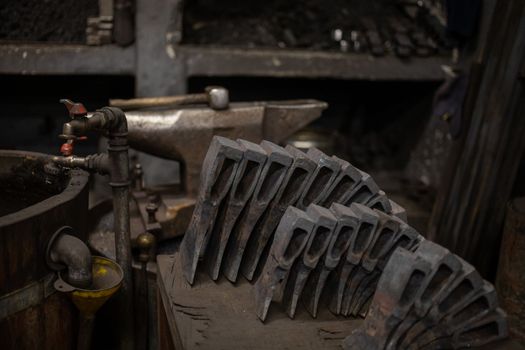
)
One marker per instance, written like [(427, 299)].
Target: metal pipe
[(116, 164), (70, 251)]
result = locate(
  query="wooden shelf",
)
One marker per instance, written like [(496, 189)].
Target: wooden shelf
[(66, 59), (221, 61)]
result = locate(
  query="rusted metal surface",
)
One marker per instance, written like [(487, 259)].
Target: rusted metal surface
[(430, 299), (368, 221), (272, 176), (510, 281), (393, 299), (234, 230), (316, 246), (244, 184), (321, 179), (293, 185), (344, 234), (291, 237), (219, 168), (347, 179)]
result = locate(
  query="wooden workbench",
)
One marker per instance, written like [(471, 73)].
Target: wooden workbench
[(221, 315)]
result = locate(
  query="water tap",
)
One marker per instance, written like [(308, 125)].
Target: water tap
[(78, 114)]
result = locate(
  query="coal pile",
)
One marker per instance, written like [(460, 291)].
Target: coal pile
[(377, 27), (46, 20)]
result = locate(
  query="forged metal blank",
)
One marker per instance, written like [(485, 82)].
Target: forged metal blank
[(347, 179), (361, 279), (218, 171), (321, 179), (316, 247), (363, 191), (344, 234), (407, 238), (446, 268), (449, 308), (368, 221), (271, 178), (380, 201), (398, 211), (457, 294), (395, 294), (290, 239), (293, 185), (481, 306), (248, 172)]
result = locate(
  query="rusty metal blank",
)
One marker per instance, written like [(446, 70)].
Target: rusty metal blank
[(271, 178), (218, 171), (347, 179), (321, 180), (344, 234), (250, 167), (395, 295), (368, 221), (290, 239), (363, 191), (293, 185), (317, 245)]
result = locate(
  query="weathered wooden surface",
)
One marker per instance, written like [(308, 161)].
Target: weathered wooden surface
[(51, 325), (469, 210), (220, 315), (510, 281)]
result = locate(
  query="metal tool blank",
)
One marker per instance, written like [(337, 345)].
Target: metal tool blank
[(271, 178), (383, 241), (293, 185), (368, 221), (317, 244), (290, 239), (407, 238), (446, 268), (481, 306), (363, 191), (395, 296), (321, 180), (462, 289), (398, 211), (347, 179), (218, 170), (380, 201), (250, 167), (344, 232)]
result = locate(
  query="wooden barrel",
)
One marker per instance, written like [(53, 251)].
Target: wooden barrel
[(32, 315), (510, 281)]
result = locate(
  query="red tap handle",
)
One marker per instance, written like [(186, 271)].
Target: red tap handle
[(67, 148), (75, 109)]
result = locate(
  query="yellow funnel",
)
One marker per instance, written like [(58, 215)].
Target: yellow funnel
[(107, 278)]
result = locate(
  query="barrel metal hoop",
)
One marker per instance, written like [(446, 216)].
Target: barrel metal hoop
[(30, 295)]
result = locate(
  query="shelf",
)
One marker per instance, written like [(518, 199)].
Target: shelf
[(66, 59), (213, 61)]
